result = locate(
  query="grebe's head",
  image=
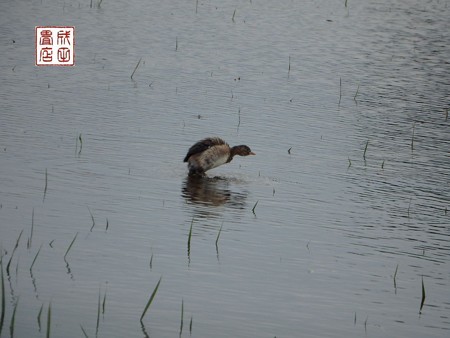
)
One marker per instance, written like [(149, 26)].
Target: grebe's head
[(242, 150)]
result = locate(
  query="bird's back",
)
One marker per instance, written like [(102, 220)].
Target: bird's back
[(204, 145)]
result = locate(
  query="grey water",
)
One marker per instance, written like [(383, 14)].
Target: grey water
[(345, 105)]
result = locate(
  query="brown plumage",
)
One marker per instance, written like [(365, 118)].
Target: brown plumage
[(212, 152)]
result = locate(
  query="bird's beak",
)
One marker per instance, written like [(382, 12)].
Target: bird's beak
[(252, 153)]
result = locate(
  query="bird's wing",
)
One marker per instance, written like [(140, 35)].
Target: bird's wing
[(203, 145)]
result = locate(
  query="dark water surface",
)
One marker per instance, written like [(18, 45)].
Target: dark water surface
[(348, 222)]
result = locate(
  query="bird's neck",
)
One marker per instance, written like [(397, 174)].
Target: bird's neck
[(233, 152)]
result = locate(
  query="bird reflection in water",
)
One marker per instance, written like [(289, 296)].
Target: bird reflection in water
[(212, 191)]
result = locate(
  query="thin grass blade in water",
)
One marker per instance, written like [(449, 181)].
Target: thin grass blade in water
[(39, 316), (104, 303), (356, 94), (189, 237), (98, 313), (49, 319), (289, 67), (35, 257), (218, 235), (13, 251), (70, 246), (2, 286), (151, 299), (93, 220), (423, 296), (32, 228), (395, 277), (135, 68), (365, 150), (13, 319), (84, 332), (45, 188), (253, 210), (81, 144), (182, 316)]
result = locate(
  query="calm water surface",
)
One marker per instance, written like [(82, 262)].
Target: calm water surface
[(345, 108)]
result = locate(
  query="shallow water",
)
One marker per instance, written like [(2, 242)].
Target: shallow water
[(338, 244)]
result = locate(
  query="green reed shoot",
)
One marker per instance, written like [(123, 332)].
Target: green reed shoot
[(349, 162), (104, 303), (176, 43), (356, 94), (239, 118), (84, 332), (150, 299), (289, 150), (365, 150), (98, 313), (31, 233), (46, 183), (151, 261), (253, 210), (92, 218), (382, 165), (395, 277), (423, 296), (49, 319), (182, 316), (39, 316), (218, 235), (340, 91), (190, 326), (13, 319), (409, 206), (34, 260), (190, 235), (70, 245), (289, 66), (2, 286), (107, 224), (76, 144), (135, 68), (234, 13), (13, 251)]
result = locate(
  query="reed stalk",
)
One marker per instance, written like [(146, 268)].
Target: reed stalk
[(150, 299), (70, 245)]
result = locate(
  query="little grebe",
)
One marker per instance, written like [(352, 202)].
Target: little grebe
[(212, 152)]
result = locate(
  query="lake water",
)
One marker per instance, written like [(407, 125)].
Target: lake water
[(346, 108)]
